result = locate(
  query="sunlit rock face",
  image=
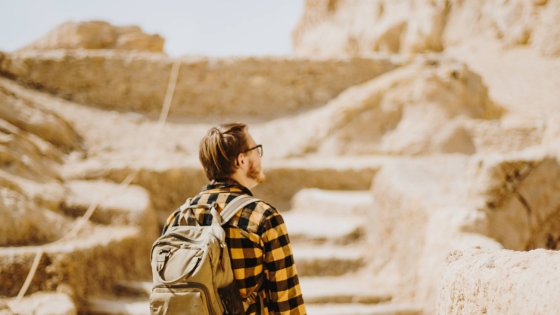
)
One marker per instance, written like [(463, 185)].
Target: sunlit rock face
[(354, 27), (419, 109), (361, 27), (476, 281), (249, 87), (39, 207), (33, 143), (97, 35)]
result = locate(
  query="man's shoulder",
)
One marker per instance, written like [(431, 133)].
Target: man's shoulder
[(252, 217)]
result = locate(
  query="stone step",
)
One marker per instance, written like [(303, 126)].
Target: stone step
[(133, 288), (97, 257), (356, 288), (100, 306), (346, 295), (349, 289), (120, 306), (332, 201), (361, 309), (317, 228), (41, 303), (168, 188), (130, 206), (325, 260)]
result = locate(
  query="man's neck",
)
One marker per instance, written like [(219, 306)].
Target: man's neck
[(244, 180)]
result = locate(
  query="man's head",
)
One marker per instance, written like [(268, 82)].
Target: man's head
[(229, 151)]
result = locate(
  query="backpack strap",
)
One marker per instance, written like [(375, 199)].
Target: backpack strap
[(185, 205), (234, 206)]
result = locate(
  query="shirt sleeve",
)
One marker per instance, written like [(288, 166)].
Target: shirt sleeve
[(284, 292)]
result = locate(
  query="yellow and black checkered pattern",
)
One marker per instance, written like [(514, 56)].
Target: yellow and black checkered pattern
[(259, 248)]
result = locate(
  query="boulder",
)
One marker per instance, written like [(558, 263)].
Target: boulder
[(520, 195), (97, 35), (479, 281)]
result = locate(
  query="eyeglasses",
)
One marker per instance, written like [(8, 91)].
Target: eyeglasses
[(258, 147)]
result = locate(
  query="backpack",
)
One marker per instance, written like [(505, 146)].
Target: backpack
[(191, 262)]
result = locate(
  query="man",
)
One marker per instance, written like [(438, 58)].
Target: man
[(262, 261)]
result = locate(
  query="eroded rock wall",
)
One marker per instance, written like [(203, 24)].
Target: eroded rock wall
[(418, 109), (357, 27), (519, 194), (32, 145), (478, 281), (455, 203), (354, 27), (39, 209), (420, 213), (249, 87)]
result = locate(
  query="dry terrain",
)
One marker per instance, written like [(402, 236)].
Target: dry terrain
[(413, 148)]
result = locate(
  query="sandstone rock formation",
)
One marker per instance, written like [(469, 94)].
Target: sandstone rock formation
[(359, 27), (32, 143), (250, 86), (520, 197), (97, 35), (420, 213), (499, 282), (38, 209), (422, 108), (447, 112), (450, 203), (354, 27)]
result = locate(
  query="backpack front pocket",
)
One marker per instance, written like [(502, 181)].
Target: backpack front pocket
[(186, 299), (172, 265)]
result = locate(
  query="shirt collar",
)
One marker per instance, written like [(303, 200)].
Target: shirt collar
[(225, 185)]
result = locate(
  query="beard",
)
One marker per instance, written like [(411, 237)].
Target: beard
[(255, 174)]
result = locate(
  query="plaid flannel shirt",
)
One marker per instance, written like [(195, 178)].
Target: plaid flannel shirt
[(259, 248)]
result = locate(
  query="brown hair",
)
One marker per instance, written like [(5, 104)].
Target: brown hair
[(220, 147)]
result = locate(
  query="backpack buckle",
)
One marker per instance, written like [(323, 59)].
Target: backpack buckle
[(162, 257)]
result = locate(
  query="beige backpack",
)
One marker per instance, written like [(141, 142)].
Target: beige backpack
[(191, 262)]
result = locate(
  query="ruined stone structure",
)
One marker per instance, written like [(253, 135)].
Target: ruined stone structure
[(416, 162)]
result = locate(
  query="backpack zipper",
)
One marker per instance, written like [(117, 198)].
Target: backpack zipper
[(182, 238), (191, 285)]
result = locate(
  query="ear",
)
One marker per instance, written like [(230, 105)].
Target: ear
[(241, 160)]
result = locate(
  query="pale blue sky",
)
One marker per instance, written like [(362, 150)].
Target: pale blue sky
[(202, 27)]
